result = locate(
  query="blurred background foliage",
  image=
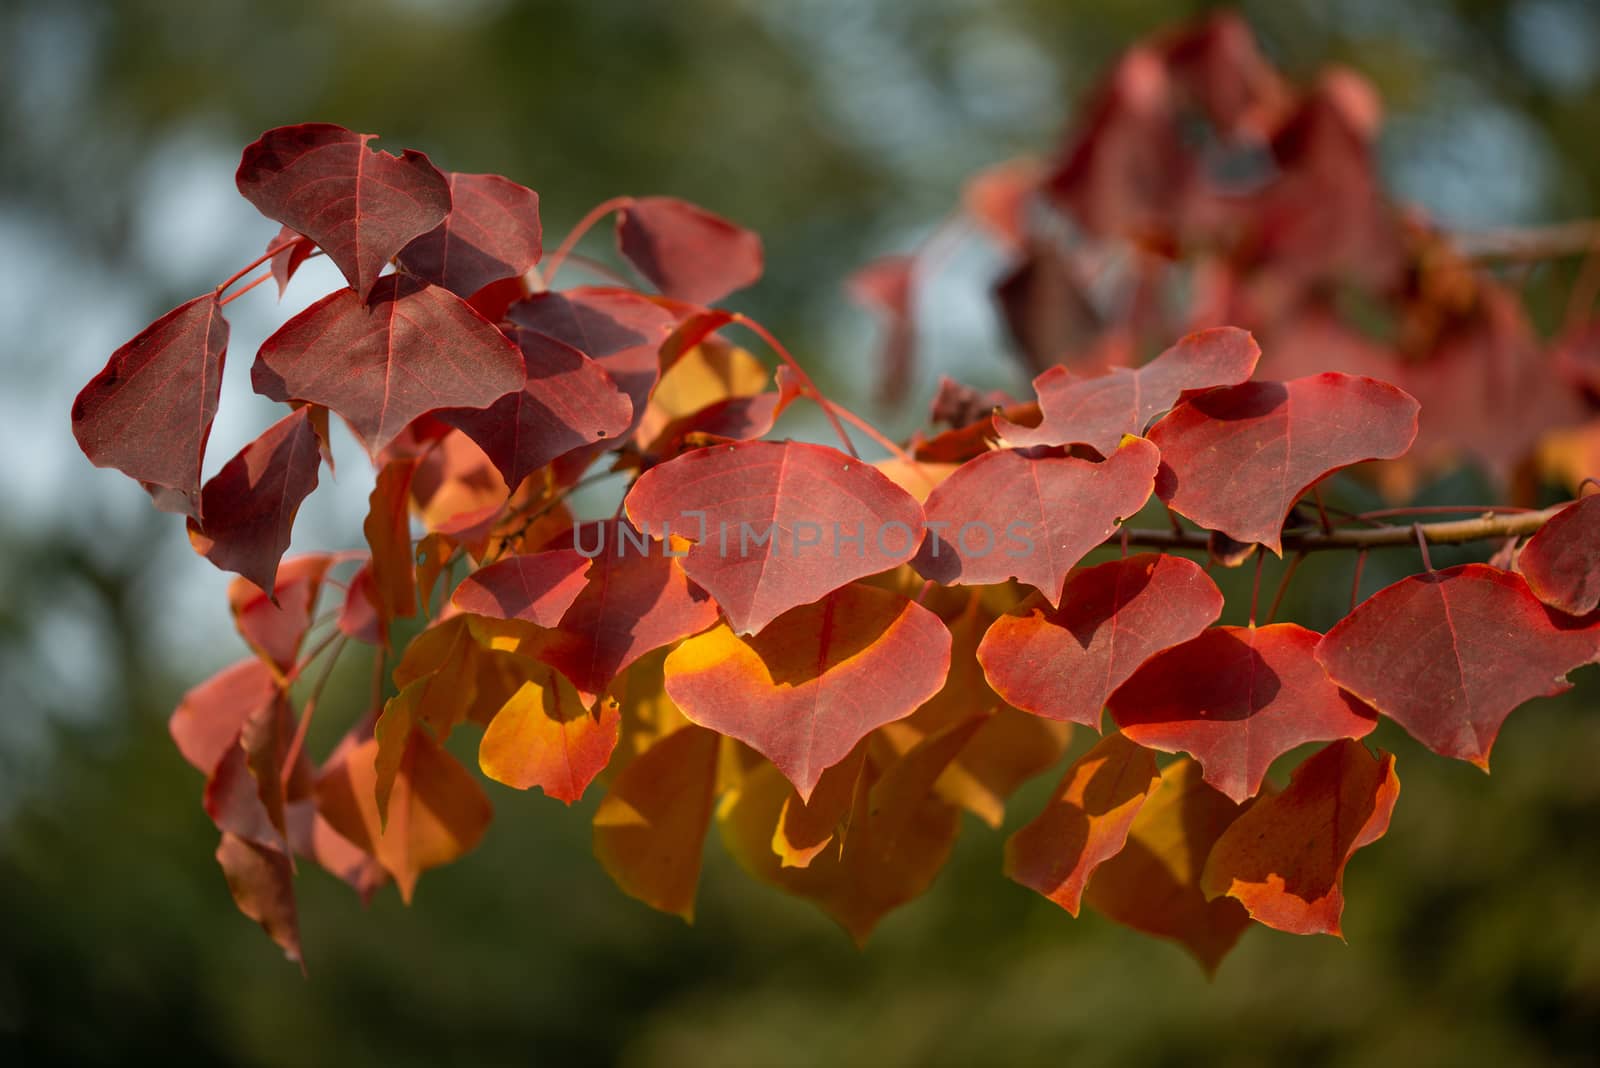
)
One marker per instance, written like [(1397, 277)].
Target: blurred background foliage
[(839, 129)]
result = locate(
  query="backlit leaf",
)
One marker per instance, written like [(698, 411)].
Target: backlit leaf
[(409, 349), (1284, 857), (388, 532), (1006, 514), (1085, 822), (1450, 654), (806, 688), (275, 630), (687, 252), (149, 412), (1153, 884), (1237, 459), (545, 737), (492, 232), (1562, 561), (1063, 663), (775, 525), (535, 587), (1236, 699), (1098, 411), (361, 206), (250, 505)]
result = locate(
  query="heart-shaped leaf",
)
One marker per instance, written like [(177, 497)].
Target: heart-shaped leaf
[(360, 206), (1562, 561), (492, 232), (687, 252)]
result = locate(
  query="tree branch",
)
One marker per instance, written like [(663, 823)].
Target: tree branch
[(1451, 532)]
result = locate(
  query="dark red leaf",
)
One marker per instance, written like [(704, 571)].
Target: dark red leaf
[(1098, 411), (1450, 654), (262, 885), (566, 401), (409, 350), (1562, 561), (1008, 514), (1237, 459), (1064, 663), (687, 252), (149, 412), (492, 232), (1236, 699), (250, 505), (808, 501), (287, 261), (361, 206)]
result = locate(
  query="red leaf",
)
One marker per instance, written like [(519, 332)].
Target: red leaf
[(207, 722), (637, 599), (808, 500), (358, 614), (1284, 858), (410, 349), (620, 330), (687, 252), (1236, 699), (149, 412), (536, 587), (359, 205), (1562, 561), (545, 737), (275, 630), (814, 682), (885, 287), (1006, 514), (1098, 411), (287, 261), (250, 505), (1237, 459), (492, 232), (1450, 654), (1064, 663), (1085, 823), (566, 401), (262, 885)]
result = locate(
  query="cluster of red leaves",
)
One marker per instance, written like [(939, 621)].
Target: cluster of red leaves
[(835, 695), (1202, 189)]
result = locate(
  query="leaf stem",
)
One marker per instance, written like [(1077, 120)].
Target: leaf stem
[(236, 294), (585, 224), (258, 261), (810, 387), (298, 743)]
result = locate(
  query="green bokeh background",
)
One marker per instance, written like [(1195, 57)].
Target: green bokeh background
[(840, 129)]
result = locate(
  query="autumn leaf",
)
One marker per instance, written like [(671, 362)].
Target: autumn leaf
[(1237, 459), (274, 626), (293, 250), (685, 251), (207, 722), (408, 349), (535, 587), (149, 412), (650, 829), (566, 401), (492, 232), (544, 736), (361, 206), (388, 531), (1098, 411), (1562, 561), (1284, 857), (262, 885), (1153, 884), (437, 812), (810, 685), (1085, 822), (1007, 514), (1063, 663), (250, 505), (1236, 699), (775, 525), (1450, 654)]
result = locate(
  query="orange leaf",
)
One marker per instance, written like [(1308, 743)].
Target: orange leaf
[(1284, 859), (650, 829), (545, 737), (1153, 885), (388, 531), (1085, 823)]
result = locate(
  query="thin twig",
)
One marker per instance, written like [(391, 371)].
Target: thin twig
[(1451, 532)]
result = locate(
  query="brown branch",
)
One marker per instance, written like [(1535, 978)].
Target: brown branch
[(1452, 532), (1531, 243)]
